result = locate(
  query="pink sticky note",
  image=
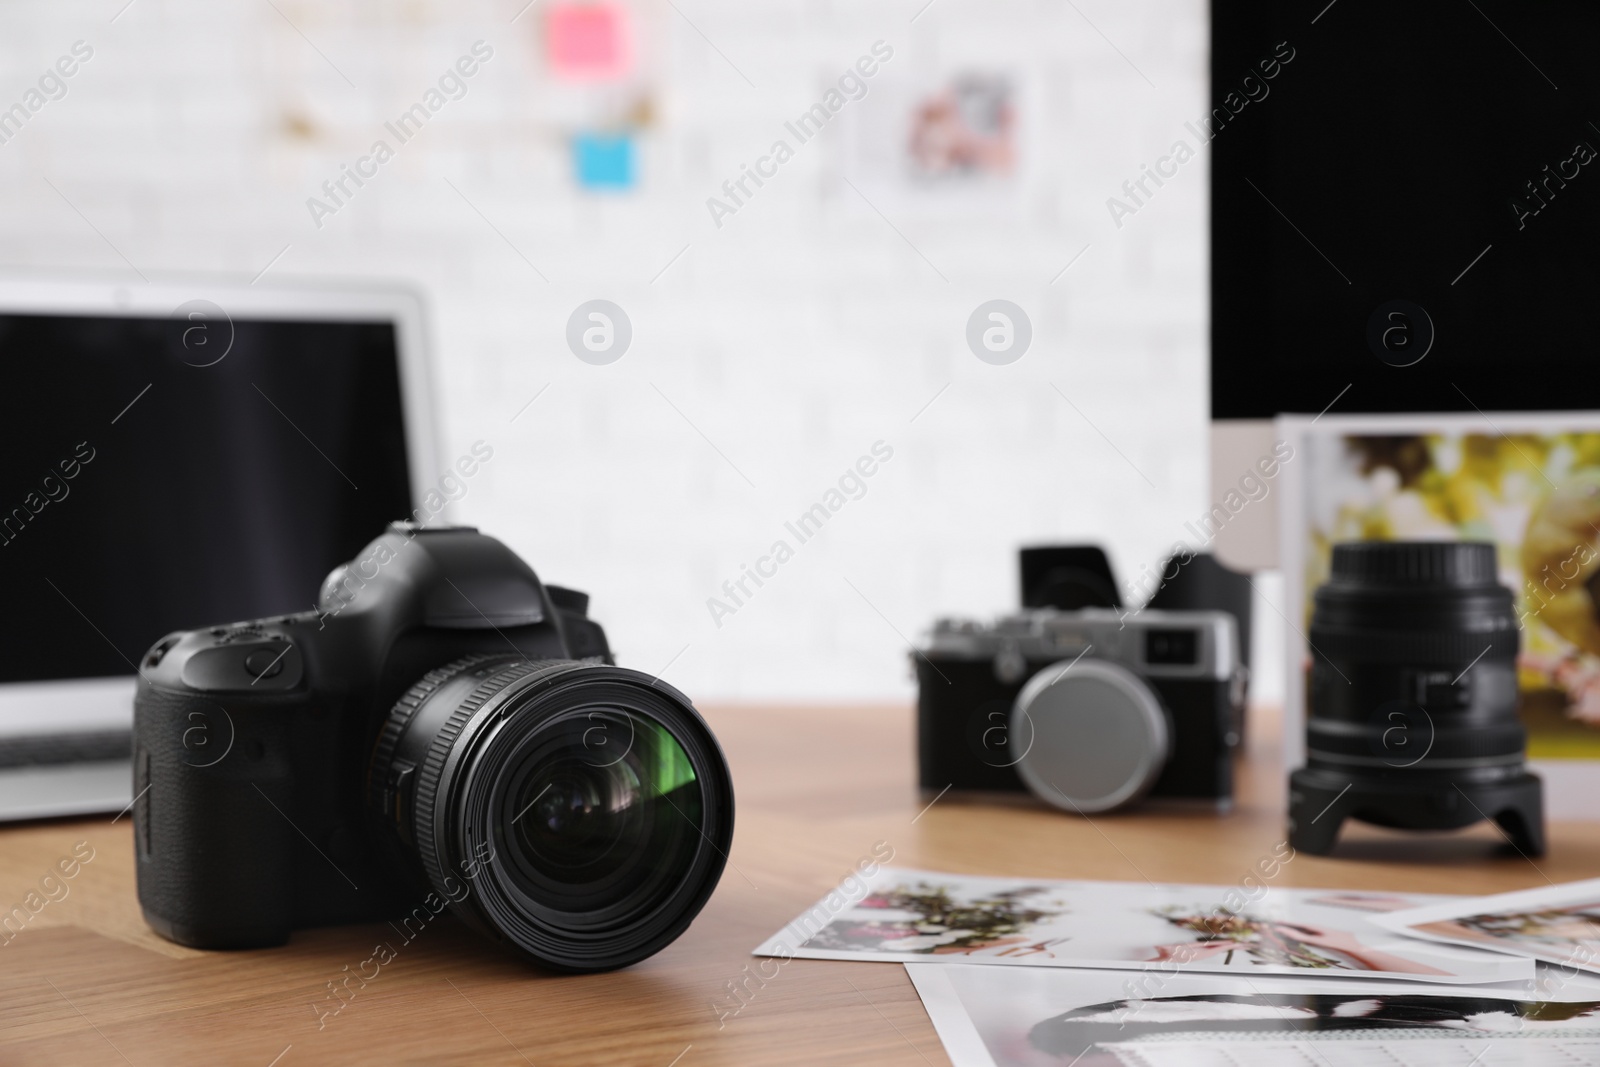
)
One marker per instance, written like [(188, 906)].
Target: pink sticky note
[(587, 41)]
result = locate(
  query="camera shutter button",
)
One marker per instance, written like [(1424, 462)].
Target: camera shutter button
[(266, 662)]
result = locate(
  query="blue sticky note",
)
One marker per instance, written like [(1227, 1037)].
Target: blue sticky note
[(603, 160)]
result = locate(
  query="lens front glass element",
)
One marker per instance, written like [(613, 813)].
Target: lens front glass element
[(602, 808)]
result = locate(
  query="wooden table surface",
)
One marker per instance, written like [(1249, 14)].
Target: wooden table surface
[(87, 982)]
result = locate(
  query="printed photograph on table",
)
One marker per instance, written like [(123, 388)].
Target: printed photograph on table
[(1529, 484), (1558, 924), (1034, 1018), (910, 916)]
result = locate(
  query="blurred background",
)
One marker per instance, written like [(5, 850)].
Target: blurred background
[(779, 332)]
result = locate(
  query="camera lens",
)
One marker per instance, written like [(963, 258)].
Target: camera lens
[(602, 808), (1412, 697), (579, 812)]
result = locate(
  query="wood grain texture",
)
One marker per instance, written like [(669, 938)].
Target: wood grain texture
[(87, 982)]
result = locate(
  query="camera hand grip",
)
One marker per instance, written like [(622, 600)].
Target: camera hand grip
[(214, 844)]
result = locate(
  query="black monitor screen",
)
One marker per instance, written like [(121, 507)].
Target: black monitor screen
[(1405, 201), (149, 486)]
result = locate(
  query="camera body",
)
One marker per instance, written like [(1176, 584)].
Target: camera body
[(973, 677), (254, 813)]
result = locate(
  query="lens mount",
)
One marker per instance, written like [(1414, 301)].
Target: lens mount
[(579, 812)]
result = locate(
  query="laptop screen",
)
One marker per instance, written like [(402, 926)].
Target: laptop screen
[(170, 473)]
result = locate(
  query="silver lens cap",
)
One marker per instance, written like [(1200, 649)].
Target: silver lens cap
[(1088, 736)]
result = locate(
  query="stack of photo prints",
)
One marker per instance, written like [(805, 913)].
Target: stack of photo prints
[(1020, 973)]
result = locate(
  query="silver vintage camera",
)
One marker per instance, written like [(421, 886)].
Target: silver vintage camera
[(1090, 709)]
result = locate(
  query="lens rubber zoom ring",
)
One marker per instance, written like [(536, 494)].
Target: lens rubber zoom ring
[(1414, 647), (432, 769)]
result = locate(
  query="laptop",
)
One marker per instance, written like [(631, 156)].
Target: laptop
[(176, 455)]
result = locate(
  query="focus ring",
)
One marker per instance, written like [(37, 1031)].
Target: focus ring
[(400, 716), (1414, 647), (431, 773)]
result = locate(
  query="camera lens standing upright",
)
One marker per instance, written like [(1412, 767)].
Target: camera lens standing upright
[(444, 731), (1413, 698)]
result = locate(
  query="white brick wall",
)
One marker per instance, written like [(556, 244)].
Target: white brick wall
[(793, 337)]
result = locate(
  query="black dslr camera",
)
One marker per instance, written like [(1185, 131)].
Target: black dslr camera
[(1090, 709), (443, 731)]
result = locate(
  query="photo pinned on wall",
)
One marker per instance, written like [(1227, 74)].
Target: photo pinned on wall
[(963, 131), (1030, 1017), (588, 41), (929, 146), (896, 914), (604, 161), (1529, 483), (606, 154)]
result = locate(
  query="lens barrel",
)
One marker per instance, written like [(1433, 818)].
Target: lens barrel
[(579, 812), (1412, 697)]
